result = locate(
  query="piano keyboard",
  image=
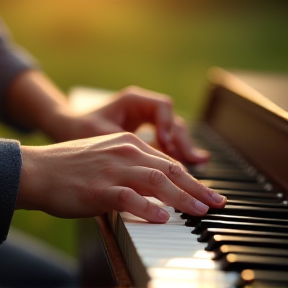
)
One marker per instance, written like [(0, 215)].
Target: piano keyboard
[(245, 242), (174, 259), (243, 245)]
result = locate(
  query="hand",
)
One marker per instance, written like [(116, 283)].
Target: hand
[(132, 107), (88, 177), (35, 102)]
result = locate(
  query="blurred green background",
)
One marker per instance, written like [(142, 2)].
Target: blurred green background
[(163, 45)]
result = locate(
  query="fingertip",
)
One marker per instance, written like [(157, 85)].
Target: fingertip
[(224, 202), (163, 215), (126, 194), (199, 155), (201, 207), (218, 198)]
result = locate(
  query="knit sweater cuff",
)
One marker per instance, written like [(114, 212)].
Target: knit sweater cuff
[(10, 169)]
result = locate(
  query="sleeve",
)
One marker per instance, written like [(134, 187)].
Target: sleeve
[(10, 169), (13, 61)]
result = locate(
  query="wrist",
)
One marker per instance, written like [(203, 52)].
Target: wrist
[(58, 123), (30, 181)]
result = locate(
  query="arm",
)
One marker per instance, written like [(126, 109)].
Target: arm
[(28, 99), (13, 61), (35, 102)]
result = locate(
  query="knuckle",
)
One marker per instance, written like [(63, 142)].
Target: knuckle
[(193, 202), (125, 197), (157, 177), (128, 137), (199, 185), (175, 169), (183, 195), (127, 145), (129, 149), (202, 188), (147, 207)]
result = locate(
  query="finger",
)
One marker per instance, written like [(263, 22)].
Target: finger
[(155, 108), (184, 146), (146, 156), (126, 199), (164, 122), (152, 182), (142, 147), (178, 175)]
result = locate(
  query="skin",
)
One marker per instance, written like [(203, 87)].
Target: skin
[(93, 175)]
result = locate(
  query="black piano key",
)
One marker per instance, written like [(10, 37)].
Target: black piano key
[(239, 262), (234, 185), (223, 174), (204, 224), (218, 240), (193, 221), (260, 251), (256, 196), (237, 202), (256, 203), (263, 279), (221, 158), (220, 175), (281, 213), (225, 168), (214, 166), (263, 284), (209, 232)]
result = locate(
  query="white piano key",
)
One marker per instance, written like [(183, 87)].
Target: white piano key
[(187, 278), (169, 253)]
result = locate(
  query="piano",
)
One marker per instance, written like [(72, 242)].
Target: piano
[(244, 125)]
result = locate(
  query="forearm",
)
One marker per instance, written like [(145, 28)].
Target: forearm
[(35, 102)]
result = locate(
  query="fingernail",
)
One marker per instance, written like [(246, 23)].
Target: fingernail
[(199, 153), (217, 197), (201, 207), (163, 215)]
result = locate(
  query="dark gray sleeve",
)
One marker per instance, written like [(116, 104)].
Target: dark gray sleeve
[(10, 169), (13, 61)]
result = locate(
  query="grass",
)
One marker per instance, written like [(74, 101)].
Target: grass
[(165, 46)]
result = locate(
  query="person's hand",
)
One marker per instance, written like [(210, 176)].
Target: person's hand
[(130, 108), (35, 102), (88, 177)]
